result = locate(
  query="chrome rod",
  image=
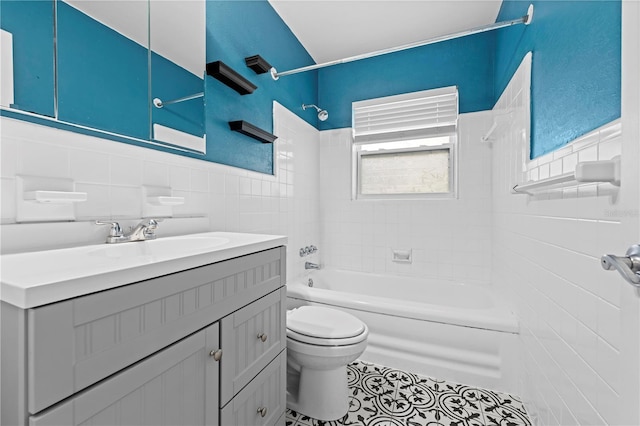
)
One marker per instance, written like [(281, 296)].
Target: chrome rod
[(525, 188), (159, 103), (602, 171), (526, 19)]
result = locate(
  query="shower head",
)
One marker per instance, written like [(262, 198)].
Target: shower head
[(322, 113)]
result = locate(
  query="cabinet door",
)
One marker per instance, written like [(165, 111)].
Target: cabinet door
[(262, 402), (177, 386), (255, 334)]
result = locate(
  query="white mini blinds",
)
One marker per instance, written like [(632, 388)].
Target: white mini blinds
[(405, 145), (407, 116)]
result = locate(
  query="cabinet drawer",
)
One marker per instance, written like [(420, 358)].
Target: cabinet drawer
[(262, 402), (177, 386), (75, 343), (242, 334)]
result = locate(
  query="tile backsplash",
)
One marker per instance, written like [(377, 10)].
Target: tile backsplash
[(217, 197)]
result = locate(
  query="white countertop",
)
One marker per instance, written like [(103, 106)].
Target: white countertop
[(33, 279)]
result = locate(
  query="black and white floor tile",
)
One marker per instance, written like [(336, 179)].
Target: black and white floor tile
[(383, 396)]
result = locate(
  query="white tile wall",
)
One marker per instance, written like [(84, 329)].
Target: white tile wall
[(360, 235), (546, 251), (218, 197)]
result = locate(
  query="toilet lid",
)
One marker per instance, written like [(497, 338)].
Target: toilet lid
[(325, 323)]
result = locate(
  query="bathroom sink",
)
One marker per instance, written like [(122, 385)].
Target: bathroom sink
[(42, 277), (159, 248)]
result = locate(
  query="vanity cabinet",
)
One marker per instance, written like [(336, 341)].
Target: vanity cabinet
[(149, 352)]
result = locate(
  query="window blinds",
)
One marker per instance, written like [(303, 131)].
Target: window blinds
[(407, 116)]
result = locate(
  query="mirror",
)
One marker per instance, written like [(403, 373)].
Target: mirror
[(111, 59), (177, 46), (102, 49), (27, 56)]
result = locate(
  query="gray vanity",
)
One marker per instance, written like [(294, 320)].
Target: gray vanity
[(178, 333)]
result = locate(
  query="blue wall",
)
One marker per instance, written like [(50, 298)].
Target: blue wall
[(576, 75), (466, 62), (235, 30), (575, 82)]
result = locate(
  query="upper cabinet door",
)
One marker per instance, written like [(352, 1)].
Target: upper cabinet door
[(27, 56), (103, 73)]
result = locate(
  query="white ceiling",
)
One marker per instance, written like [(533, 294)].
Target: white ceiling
[(335, 29)]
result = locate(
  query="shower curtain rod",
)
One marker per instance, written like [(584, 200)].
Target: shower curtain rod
[(526, 19)]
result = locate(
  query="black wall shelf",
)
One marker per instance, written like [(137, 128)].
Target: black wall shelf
[(252, 131), (222, 72), (257, 64)]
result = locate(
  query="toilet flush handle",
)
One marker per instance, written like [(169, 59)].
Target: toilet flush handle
[(262, 337)]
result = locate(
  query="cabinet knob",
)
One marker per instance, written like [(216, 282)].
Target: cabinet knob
[(262, 337), (217, 354), (262, 411)]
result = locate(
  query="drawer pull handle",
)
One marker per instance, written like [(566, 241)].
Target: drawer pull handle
[(217, 354), (262, 337), (262, 411)]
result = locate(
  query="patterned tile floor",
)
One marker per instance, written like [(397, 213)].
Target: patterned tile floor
[(383, 396)]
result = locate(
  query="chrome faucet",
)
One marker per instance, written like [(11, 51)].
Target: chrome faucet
[(145, 230), (309, 265)]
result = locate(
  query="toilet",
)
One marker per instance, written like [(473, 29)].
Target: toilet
[(320, 343)]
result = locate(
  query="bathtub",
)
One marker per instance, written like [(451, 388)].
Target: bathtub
[(464, 333)]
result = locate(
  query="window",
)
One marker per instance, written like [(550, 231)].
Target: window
[(404, 146)]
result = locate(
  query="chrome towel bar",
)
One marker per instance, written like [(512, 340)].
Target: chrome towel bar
[(606, 171)]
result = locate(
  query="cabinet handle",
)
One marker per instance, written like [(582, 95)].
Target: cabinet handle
[(262, 337), (262, 411), (217, 354)]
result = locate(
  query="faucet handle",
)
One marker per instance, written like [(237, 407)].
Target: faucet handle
[(114, 231), (151, 221), (150, 228)]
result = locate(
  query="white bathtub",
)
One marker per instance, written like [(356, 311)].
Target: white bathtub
[(460, 332)]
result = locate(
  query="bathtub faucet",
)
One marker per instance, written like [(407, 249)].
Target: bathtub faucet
[(309, 265)]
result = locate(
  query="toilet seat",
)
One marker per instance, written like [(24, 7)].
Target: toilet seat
[(320, 326)]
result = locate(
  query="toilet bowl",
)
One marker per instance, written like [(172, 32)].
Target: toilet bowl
[(320, 343)]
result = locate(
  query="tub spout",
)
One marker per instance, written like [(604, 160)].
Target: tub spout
[(309, 265)]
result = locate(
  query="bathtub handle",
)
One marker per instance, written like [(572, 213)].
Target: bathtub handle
[(628, 266), (262, 337)]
